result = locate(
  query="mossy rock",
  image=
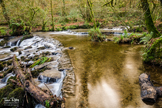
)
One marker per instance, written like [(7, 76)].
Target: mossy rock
[(3, 42), (46, 53), (35, 73), (36, 57), (13, 49), (41, 48), (29, 47), (22, 58), (9, 62), (7, 47)]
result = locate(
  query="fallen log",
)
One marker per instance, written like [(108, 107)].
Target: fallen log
[(42, 97), (149, 93)]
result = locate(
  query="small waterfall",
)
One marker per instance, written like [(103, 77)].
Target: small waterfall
[(45, 79), (56, 86), (5, 79), (18, 42), (4, 45), (3, 82), (10, 44)]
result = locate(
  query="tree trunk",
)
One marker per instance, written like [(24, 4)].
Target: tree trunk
[(53, 26), (149, 93), (148, 19), (42, 97), (89, 2), (5, 13), (63, 9)]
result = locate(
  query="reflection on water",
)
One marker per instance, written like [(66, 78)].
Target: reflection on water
[(103, 96), (107, 74)]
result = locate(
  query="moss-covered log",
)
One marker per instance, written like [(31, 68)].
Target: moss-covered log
[(149, 93), (36, 92), (148, 19)]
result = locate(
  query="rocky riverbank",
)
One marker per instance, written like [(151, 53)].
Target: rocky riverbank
[(45, 57)]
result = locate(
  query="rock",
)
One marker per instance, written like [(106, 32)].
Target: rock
[(54, 53), (7, 47), (55, 58), (20, 52), (29, 47), (13, 49), (71, 48), (1, 66), (52, 73), (49, 76), (49, 65), (41, 48)]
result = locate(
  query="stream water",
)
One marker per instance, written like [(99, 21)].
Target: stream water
[(107, 73)]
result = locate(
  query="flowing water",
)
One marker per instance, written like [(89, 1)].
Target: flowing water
[(106, 73)]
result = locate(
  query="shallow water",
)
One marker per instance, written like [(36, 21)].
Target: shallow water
[(107, 73)]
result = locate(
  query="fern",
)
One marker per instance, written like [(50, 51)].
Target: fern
[(147, 38), (35, 63), (40, 61), (43, 60)]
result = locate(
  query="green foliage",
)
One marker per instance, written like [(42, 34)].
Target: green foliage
[(96, 35), (47, 104), (121, 37), (3, 32), (58, 29), (116, 39), (40, 61), (18, 27), (146, 38), (152, 51), (64, 28), (125, 34)]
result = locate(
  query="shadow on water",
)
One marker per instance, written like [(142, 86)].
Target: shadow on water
[(107, 74)]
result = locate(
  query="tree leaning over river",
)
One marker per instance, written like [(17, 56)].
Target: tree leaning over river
[(148, 19)]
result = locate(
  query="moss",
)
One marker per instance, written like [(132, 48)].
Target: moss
[(35, 73), (4, 93), (13, 49), (29, 47), (45, 53), (152, 52), (3, 42), (12, 77), (148, 19), (36, 57), (41, 48), (17, 93), (7, 47), (22, 58)]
